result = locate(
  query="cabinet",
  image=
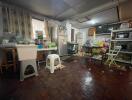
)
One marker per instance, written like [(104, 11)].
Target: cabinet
[(91, 31), (124, 10), (123, 38)]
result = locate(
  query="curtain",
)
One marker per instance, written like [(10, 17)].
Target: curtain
[(46, 29), (16, 21)]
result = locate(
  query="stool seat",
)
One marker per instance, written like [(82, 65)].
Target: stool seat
[(53, 62)]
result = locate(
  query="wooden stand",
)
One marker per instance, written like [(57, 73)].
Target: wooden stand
[(5, 61)]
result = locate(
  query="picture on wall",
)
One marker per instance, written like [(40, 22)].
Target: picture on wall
[(39, 34), (91, 31)]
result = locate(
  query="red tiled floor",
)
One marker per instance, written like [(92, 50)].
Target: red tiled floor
[(77, 81)]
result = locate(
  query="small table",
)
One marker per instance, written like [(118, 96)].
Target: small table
[(91, 48)]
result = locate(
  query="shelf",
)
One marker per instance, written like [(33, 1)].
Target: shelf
[(122, 30), (127, 52), (79, 38), (103, 34), (97, 57), (125, 40), (124, 61), (124, 52)]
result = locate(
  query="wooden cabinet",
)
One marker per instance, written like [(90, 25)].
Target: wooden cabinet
[(125, 10), (91, 31), (8, 58)]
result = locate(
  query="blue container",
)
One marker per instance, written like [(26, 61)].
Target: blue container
[(40, 46)]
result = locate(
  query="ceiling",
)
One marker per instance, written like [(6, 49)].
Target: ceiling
[(70, 9), (106, 16)]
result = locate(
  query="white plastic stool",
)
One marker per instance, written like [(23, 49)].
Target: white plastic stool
[(51, 62), (27, 55)]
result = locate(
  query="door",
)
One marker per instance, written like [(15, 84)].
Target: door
[(72, 35)]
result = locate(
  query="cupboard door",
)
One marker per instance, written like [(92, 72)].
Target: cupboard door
[(124, 10)]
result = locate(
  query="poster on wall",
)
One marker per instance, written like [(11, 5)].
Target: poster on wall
[(39, 34), (91, 31)]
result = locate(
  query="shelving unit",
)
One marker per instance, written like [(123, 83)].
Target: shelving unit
[(122, 37), (122, 40), (103, 34), (127, 52), (122, 30), (124, 61)]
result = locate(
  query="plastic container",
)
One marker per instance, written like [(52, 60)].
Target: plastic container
[(40, 46)]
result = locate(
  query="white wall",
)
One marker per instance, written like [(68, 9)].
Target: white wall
[(66, 37), (68, 32), (37, 25), (76, 31), (54, 24), (68, 26), (102, 37), (85, 34)]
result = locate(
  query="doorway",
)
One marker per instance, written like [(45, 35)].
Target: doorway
[(72, 35)]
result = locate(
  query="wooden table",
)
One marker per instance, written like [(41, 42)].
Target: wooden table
[(91, 53), (91, 48), (42, 50), (42, 54)]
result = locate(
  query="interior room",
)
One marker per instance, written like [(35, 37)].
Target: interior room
[(65, 49)]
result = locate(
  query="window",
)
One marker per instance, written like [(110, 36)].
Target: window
[(38, 29)]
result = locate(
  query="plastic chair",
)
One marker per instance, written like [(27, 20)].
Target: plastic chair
[(112, 55)]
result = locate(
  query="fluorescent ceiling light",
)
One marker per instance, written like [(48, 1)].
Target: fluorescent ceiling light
[(83, 19), (100, 26), (93, 22)]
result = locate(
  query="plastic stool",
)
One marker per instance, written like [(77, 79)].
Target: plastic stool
[(53, 62)]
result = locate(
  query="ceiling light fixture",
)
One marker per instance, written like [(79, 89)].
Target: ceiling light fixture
[(93, 22), (100, 27), (83, 19)]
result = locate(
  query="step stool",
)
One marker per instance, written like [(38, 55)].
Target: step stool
[(53, 62)]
